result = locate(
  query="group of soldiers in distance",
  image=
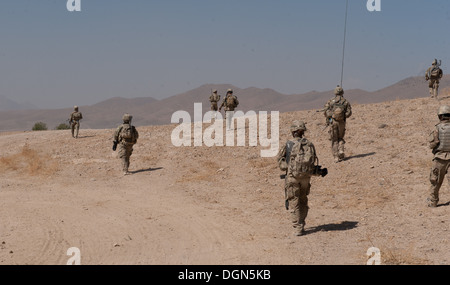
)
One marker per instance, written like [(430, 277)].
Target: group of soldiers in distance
[(298, 157)]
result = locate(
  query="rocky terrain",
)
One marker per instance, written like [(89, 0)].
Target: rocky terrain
[(224, 205)]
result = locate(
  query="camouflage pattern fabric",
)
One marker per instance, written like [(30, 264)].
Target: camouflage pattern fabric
[(214, 98), (337, 128), (296, 191), (125, 152), (229, 107), (337, 134), (125, 147), (214, 106), (75, 128), (75, 118), (433, 82), (439, 168)]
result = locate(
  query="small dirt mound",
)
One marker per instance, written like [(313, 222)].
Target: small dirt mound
[(29, 161)]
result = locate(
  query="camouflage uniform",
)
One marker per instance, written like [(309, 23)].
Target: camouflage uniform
[(214, 98), (125, 145), (296, 190), (433, 83), (75, 118), (229, 108), (337, 128), (440, 144)]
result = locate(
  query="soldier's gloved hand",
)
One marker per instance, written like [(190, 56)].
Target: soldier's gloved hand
[(114, 146)]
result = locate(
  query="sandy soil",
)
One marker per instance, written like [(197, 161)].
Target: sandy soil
[(224, 205)]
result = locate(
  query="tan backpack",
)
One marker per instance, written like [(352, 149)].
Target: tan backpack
[(338, 111), (129, 133), (302, 159), (231, 102)]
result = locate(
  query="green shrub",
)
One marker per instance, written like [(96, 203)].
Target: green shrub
[(40, 126), (63, 126)]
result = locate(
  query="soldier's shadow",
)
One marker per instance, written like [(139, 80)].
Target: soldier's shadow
[(344, 226), (146, 170), (444, 205), (360, 155)]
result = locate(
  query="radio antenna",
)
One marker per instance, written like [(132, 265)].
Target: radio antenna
[(343, 48)]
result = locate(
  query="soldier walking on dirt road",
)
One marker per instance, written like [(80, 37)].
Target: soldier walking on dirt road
[(125, 137)]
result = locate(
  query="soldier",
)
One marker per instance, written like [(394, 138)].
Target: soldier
[(230, 102), (337, 111), (214, 98), (126, 137), (440, 144), (298, 158), (74, 121), (433, 75)]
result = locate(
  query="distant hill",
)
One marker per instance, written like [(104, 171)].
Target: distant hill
[(8, 104), (150, 111)]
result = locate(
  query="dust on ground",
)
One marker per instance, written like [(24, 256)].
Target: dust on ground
[(224, 205)]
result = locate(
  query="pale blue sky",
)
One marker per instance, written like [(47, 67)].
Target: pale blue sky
[(53, 58)]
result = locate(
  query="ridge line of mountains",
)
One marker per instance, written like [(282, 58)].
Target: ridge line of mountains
[(149, 111)]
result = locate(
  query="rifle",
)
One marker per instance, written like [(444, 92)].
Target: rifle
[(328, 123), (286, 201)]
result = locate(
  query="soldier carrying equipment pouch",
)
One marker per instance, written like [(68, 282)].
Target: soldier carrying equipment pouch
[(77, 116), (230, 102), (444, 137)]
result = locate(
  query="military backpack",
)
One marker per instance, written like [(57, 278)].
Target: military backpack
[(444, 137), (231, 102), (302, 159), (338, 111), (435, 72), (128, 133)]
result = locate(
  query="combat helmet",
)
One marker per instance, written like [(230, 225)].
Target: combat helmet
[(214, 91), (298, 126), (339, 91), (229, 91), (75, 108), (444, 110), (127, 118), (434, 62)]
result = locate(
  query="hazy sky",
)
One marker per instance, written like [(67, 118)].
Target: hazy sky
[(54, 58)]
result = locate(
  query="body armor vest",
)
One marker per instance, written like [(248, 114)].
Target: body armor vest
[(444, 137)]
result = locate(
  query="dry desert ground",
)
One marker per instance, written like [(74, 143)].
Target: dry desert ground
[(224, 205)]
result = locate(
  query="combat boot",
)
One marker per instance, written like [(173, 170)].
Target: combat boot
[(431, 203), (300, 229)]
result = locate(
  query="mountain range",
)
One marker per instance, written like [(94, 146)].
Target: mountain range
[(150, 111), (8, 104)]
